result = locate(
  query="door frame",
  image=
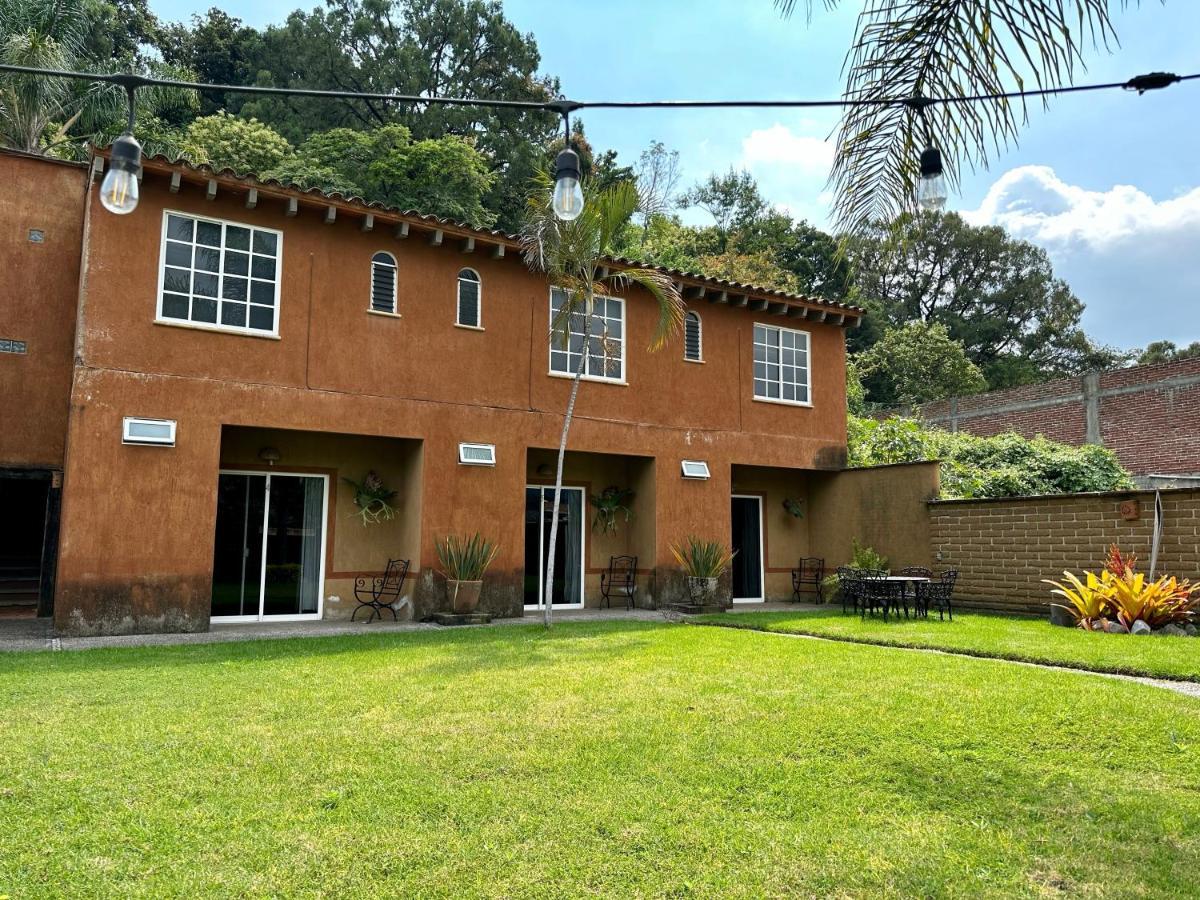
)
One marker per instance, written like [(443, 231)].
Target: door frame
[(262, 575), (541, 550), (762, 542)]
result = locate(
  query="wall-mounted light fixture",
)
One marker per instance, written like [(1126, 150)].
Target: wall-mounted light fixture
[(695, 468), (269, 455), (477, 454), (156, 432)]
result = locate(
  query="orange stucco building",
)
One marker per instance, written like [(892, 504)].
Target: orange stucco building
[(193, 386)]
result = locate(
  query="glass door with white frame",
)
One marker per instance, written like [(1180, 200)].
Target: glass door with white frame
[(747, 542), (567, 590), (269, 551)]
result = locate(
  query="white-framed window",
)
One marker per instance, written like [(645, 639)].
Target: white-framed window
[(218, 274), (781, 364), (470, 299), (605, 357), (693, 343), (383, 283), (158, 432), (694, 468), (477, 454)]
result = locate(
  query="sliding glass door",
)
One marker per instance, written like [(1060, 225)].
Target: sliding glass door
[(269, 552), (567, 590)]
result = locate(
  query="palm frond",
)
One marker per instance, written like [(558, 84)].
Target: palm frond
[(671, 308), (911, 48)]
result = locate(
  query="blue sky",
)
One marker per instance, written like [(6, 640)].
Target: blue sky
[(1107, 182)]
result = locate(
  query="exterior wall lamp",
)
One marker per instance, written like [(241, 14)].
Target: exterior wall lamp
[(119, 190)]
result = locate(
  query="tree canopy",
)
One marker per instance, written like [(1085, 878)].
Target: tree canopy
[(918, 362)]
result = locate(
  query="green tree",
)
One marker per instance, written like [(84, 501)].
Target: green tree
[(912, 48), (916, 363), (245, 145), (1166, 351), (220, 50), (571, 254), (656, 174), (446, 177), (997, 295), (731, 198)]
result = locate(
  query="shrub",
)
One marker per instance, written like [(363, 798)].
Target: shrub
[(1006, 465), (1121, 591), (465, 559), (702, 559)]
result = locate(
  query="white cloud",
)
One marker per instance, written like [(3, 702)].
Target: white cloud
[(791, 165), (1132, 259), (779, 145)]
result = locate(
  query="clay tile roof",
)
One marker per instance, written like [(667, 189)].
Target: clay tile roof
[(226, 175)]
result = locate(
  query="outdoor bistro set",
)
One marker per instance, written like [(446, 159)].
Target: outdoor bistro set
[(871, 591)]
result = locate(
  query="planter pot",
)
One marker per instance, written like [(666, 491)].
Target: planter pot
[(702, 590), (464, 595), (1060, 616)]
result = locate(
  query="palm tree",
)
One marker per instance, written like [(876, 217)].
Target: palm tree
[(915, 48), (572, 255)]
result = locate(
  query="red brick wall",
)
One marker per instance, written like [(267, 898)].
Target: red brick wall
[(1004, 548), (1142, 413)]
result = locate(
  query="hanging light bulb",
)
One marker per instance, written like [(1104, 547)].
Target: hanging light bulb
[(568, 193), (931, 189), (119, 190)]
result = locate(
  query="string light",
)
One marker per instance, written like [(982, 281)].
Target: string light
[(568, 198)]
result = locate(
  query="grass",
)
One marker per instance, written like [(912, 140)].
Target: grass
[(612, 759), (1000, 637)]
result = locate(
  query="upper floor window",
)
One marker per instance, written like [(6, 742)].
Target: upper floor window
[(217, 274), (692, 343), (470, 312), (383, 283), (781, 364), (605, 357)]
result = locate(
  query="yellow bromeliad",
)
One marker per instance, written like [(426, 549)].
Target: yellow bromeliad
[(1088, 601), (1164, 601)]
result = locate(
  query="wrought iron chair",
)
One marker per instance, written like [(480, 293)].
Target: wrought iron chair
[(879, 594), (939, 593), (914, 572), (619, 579), (849, 587), (381, 591), (808, 577)]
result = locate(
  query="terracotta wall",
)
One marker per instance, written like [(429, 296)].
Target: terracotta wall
[(39, 290), (1004, 548), (882, 507)]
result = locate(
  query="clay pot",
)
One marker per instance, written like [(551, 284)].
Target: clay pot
[(464, 595)]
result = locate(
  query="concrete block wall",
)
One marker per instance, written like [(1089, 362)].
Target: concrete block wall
[(1004, 548)]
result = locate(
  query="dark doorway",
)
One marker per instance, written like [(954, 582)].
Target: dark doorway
[(29, 500), (746, 540)]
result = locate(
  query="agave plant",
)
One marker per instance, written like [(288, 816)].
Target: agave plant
[(1088, 601), (702, 559), (465, 559)]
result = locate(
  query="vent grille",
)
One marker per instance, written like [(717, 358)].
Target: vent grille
[(383, 284), (692, 348)]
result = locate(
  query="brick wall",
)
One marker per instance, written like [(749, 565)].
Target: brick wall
[(1142, 413), (1004, 548)]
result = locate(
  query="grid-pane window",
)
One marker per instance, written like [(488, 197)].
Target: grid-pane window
[(781, 364), (605, 357), (219, 274), (383, 283), (468, 299), (692, 344)]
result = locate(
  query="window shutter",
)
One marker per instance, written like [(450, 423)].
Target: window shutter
[(468, 298), (691, 337), (383, 284)]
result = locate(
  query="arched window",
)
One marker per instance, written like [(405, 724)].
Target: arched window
[(383, 283), (470, 303), (692, 343)]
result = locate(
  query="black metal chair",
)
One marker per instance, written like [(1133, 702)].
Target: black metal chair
[(879, 594), (619, 579), (381, 591), (849, 587), (913, 572), (939, 593), (808, 577)]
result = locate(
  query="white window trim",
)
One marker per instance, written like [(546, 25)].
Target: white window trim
[(809, 368), (462, 455), (700, 327), (478, 326), (395, 310), (160, 319), (586, 376), (126, 438)]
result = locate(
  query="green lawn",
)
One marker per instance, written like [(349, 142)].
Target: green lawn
[(1002, 637), (614, 759)]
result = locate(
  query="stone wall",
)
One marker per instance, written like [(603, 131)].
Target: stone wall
[(1004, 548)]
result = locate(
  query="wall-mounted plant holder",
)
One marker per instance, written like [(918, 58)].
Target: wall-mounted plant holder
[(794, 507)]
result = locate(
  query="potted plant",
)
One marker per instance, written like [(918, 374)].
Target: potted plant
[(463, 561), (609, 502), (373, 498), (703, 563)]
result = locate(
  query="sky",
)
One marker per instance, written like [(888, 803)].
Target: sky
[(1107, 182)]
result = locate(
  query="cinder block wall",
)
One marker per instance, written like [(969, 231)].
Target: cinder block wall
[(1004, 548)]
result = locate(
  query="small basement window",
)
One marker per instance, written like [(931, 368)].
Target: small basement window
[(477, 454), (695, 468), (159, 432)]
